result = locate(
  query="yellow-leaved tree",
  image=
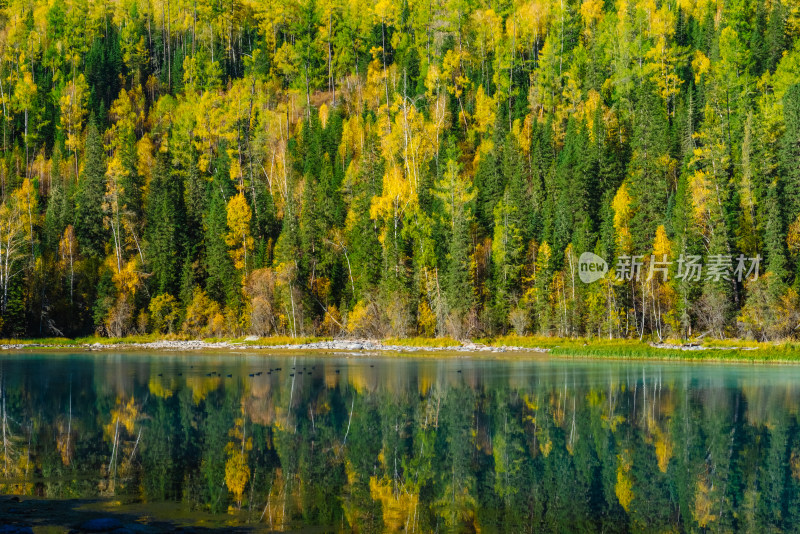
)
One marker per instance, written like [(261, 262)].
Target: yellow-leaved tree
[(73, 113), (662, 293), (624, 486), (23, 97), (622, 217), (27, 200), (239, 239), (237, 470), (485, 111), (164, 312), (397, 199)]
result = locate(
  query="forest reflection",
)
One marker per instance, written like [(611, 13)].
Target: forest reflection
[(414, 445)]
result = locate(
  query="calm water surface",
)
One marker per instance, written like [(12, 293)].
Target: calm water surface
[(419, 445)]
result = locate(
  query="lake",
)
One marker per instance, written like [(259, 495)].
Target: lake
[(320, 443)]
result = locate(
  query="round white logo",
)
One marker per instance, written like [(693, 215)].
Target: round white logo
[(591, 267)]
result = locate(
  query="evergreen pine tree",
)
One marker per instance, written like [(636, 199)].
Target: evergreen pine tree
[(650, 187), (164, 227), (542, 177), (195, 199), (365, 246), (790, 152), (457, 195), (106, 293), (515, 179), (266, 225), (758, 45), (59, 211), (221, 281), (775, 234), (89, 196), (489, 183), (776, 41), (13, 322)]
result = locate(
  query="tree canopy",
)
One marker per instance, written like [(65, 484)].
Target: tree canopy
[(399, 169)]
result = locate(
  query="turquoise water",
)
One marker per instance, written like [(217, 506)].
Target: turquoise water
[(337, 443)]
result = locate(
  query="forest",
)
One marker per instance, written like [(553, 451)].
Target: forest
[(346, 167)]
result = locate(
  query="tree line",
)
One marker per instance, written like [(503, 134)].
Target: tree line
[(329, 167)]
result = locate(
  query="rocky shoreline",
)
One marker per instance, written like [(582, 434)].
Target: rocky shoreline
[(346, 346), (360, 345)]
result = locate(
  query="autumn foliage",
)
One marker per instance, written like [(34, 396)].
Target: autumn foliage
[(396, 169)]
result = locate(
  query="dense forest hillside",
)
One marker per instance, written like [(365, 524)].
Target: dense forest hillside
[(400, 168)]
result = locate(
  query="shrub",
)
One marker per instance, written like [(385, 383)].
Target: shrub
[(142, 320), (332, 324), (518, 318), (203, 316), (426, 319), (770, 312), (163, 313), (260, 288), (364, 320), (399, 315), (120, 316), (235, 322), (261, 316)]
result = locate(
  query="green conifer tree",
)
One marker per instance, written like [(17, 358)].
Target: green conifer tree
[(164, 227), (221, 281), (89, 196)]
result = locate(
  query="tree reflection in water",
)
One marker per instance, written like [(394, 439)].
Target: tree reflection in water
[(413, 445)]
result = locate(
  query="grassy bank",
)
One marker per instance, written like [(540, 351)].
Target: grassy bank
[(709, 350), (731, 350)]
